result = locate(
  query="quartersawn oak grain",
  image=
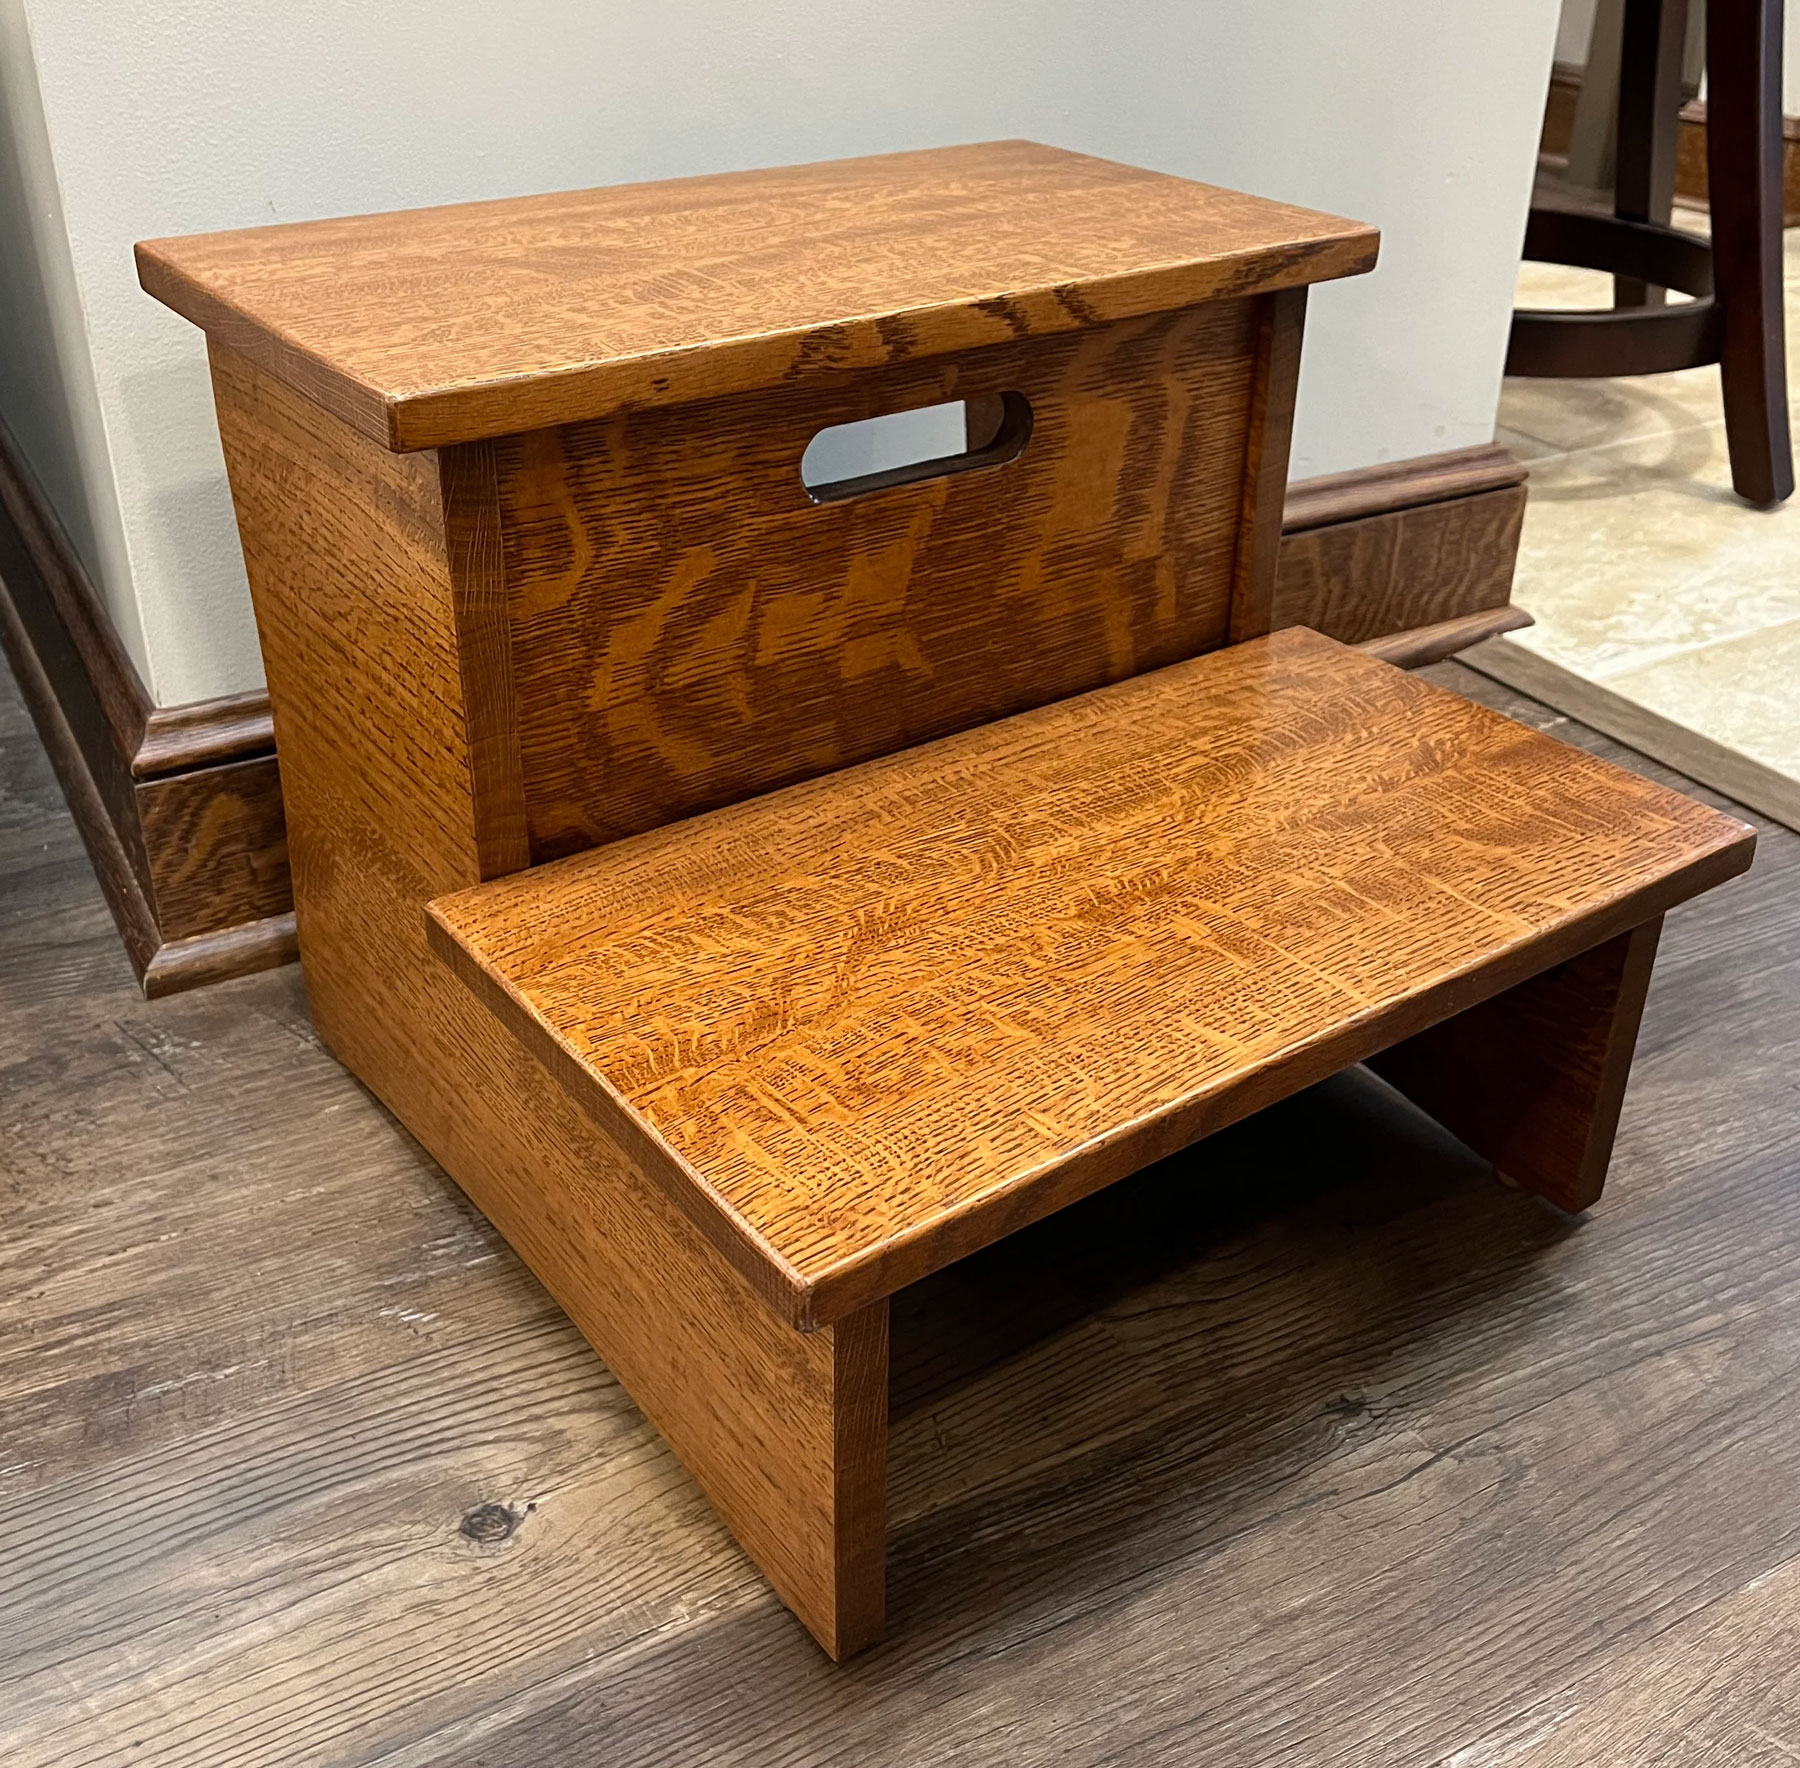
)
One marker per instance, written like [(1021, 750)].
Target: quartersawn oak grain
[(1316, 1404), (687, 628), (433, 326), (1089, 936), (423, 616), (372, 589), (866, 1025)]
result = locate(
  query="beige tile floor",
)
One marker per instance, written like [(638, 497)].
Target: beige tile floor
[(1668, 611)]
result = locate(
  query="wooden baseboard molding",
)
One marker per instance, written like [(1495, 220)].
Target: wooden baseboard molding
[(1690, 162), (181, 806), (1444, 638), (1559, 109), (1409, 544), (113, 866), (219, 955), (1690, 143), (178, 739)]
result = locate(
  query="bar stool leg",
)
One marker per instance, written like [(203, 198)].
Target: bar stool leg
[(1649, 122), (1743, 155)]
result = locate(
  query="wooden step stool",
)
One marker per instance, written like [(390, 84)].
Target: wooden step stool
[(757, 898)]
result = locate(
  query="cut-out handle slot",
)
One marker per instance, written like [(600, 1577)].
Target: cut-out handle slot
[(905, 447)]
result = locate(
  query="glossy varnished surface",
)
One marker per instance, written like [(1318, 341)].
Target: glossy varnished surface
[(881, 1019), (688, 628), (444, 325)]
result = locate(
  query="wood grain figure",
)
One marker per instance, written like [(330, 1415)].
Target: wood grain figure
[(180, 806), (1420, 566), (937, 847), (862, 1027), (433, 326), (689, 628), (1533, 1079), (260, 1364), (210, 854), (359, 615)]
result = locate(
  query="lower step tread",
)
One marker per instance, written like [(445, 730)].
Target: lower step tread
[(864, 1025)]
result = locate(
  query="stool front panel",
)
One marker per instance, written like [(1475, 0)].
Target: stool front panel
[(690, 628)]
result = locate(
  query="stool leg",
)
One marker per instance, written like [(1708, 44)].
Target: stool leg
[(1533, 1078), (1743, 176), (1649, 122)]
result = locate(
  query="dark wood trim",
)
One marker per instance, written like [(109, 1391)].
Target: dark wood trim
[(222, 954), (1444, 638), (1690, 162), (1559, 109), (1630, 337), (1694, 111), (57, 615), (1725, 770), (113, 866), (1402, 547), (180, 806), (1395, 485), (177, 739)]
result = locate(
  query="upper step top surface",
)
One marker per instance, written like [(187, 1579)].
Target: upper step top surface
[(864, 1025), (432, 326)]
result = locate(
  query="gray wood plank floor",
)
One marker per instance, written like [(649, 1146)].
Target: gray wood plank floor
[(1315, 1445)]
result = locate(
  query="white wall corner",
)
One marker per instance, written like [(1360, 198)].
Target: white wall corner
[(48, 394)]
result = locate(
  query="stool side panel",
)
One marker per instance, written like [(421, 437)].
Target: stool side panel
[(1534, 1079), (350, 555), (690, 629)]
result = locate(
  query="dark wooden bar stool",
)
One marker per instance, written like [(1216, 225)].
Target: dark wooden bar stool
[(1735, 318)]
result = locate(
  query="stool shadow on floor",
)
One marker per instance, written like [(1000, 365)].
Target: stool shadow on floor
[(1173, 1361)]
